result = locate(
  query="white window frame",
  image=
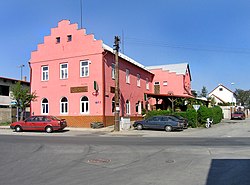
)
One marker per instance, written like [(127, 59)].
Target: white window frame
[(127, 76), (165, 83), (84, 104), (65, 105), (44, 107), (138, 80), (113, 70), (127, 107), (63, 71), (84, 70), (45, 73), (147, 84)]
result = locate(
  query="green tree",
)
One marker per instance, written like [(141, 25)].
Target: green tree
[(22, 96), (243, 97), (204, 92)]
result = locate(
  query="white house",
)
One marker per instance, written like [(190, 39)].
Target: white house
[(222, 94)]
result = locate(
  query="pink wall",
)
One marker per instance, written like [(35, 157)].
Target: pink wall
[(130, 91), (82, 47), (175, 82)]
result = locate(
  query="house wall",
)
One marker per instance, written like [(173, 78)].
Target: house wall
[(129, 91), (223, 94), (175, 82), (52, 54)]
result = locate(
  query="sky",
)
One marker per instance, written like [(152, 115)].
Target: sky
[(213, 36)]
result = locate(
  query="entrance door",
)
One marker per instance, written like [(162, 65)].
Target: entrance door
[(157, 87)]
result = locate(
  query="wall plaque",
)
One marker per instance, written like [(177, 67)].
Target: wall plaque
[(79, 89)]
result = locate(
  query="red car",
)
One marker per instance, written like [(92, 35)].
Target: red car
[(238, 115), (41, 123)]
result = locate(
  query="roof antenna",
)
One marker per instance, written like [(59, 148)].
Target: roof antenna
[(81, 12)]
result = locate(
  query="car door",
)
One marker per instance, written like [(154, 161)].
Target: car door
[(163, 122), (28, 124), (38, 123), (153, 122)]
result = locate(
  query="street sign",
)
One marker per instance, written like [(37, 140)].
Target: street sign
[(196, 107)]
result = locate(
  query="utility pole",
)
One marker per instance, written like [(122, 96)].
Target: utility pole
[(117, 89), (21, 66)]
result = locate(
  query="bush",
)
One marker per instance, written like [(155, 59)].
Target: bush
[(5, 123)]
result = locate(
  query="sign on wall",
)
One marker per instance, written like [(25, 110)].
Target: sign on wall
[(79, 89)]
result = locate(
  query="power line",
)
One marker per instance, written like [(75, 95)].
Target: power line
[(144, 42)]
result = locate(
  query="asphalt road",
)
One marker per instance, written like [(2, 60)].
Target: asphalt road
[(219, 155)]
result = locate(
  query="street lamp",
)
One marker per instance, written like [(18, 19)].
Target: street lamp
[(21, 67)]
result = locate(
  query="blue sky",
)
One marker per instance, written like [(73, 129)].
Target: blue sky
[(213, 36)]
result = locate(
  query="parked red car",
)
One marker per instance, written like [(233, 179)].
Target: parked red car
[(41, 123), (238, 115)]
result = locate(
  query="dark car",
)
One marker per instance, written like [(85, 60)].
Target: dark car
[(166, 123), (184, 120), (40, 123), (238, 115)]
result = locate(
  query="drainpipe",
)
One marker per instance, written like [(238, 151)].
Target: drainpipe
[(30, 84), (104, 87)]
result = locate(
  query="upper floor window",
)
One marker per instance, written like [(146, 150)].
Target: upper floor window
[(69, 38), (64, 71), (4, 90), (58, 40), (64, 105), (45, 73), (84, 68), (147, 84), (138, 80), (113, 71), (220, 89), (165, 83), (45, 106), (127, 76)]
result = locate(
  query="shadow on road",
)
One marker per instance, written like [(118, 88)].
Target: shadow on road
[(229, 172)]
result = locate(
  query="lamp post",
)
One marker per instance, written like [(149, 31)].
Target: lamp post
[(21, 67)]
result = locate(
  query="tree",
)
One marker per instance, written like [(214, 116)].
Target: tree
[(194, 93), (22, 96), (204, 92), (243, 97)]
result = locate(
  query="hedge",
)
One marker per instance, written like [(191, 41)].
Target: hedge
[(195, 119)]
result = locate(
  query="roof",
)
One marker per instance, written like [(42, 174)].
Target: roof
[(11, 79), (222, 86), (108, 48), (180, 68)]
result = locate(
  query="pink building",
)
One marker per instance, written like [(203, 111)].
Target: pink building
[(66, 66)]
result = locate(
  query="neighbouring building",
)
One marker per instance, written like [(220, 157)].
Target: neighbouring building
[(8, 110), (222, 95), (73, 75)]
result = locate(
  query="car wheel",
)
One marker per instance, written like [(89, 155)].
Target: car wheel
[(168, 128), (139, 127), (18, 128), (49, 129)]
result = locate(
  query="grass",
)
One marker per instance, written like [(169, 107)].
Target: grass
[(5, 123)]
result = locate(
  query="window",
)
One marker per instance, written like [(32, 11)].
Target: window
[(69, 38), (220, 89), (157, 83), (165, 83), (84, 105), (58, 40), (64, 71), (4, 90), (127, 76), (138, 80), (147, 84), (113, 71), (127, 107), (45, 106), (64, 105), (84, 68), (45, 73), (113, 104)]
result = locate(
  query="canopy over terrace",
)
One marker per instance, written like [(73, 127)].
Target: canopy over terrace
[(171, 97)]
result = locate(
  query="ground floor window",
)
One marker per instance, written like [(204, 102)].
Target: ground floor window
[(84, 105), (45, 106), (127, 107), (64, 105)]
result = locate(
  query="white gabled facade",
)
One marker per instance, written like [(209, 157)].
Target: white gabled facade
[(222, 94)]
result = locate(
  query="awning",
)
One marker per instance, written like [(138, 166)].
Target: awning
[(168, 95)]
